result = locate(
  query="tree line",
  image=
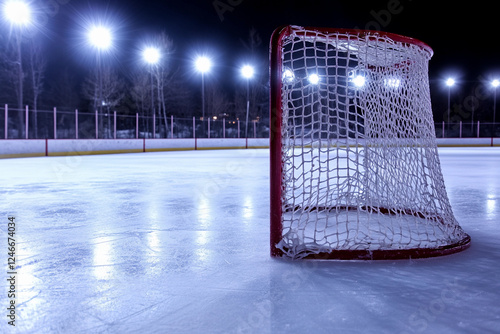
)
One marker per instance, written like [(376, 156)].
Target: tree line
[(161, 89)]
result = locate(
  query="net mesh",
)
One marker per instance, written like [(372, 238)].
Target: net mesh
[(360, 168)]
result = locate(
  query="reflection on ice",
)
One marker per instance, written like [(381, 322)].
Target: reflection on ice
[(103, 266), (491, 202), (247, 208)]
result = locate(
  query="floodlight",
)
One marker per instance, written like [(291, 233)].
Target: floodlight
[(495, 83), (17, 12), (100, 37), (247, 71), (392, 82), (313, 79), (450, 82), (203, 64), (359, 81), (151, 55), (288, 76)]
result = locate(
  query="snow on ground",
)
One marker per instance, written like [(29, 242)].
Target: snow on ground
[(178, 242)]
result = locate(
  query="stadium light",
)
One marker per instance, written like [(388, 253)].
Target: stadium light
[(151, 55), (203, 65), (247, 71), (359, 81), (100, 37), (313, 79), (288, 76), (17, 12)]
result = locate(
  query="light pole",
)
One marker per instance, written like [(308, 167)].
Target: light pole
[(247, 72), (450, 82), (151, 55), (203, 64), (100, 38), (495, 83), (18, 13)]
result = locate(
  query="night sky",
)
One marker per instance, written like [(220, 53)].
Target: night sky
[(463, 35)]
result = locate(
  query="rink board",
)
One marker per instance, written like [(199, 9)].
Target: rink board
[(18, 148)]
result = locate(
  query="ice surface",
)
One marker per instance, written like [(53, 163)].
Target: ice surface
[(178, 242)]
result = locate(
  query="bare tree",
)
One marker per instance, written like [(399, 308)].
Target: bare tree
[(177, 94), (258, 85), (162, 73), (253, 42), (141, 95), (63, 90), (13, 73), (6, 89), (112, 92), (217, 101), (37, 65)]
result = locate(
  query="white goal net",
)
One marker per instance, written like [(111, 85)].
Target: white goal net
[(355, 172)]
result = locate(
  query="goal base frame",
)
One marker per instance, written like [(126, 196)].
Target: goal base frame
[(380, 254)]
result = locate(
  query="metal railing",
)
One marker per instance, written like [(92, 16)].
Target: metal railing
[(475, 129), (56, 124)]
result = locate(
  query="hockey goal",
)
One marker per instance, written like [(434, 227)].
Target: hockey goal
[(355, 172)]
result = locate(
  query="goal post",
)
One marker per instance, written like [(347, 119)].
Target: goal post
[(355, 172)]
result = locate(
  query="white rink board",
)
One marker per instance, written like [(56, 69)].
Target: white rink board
[(468, 142), (219, 143), (169, 144), (94, 146), (258, 142), (11, 148), (16, 148)]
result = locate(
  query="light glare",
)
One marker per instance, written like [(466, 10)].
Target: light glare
[(450, 82), (100, 37), (247, 71), (17, 12), (203, 64), (151, 55), (359, 81), (314, 79), (288, 76), (495, 83)]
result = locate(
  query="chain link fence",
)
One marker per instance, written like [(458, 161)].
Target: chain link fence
[(60, 124), (57, 124)]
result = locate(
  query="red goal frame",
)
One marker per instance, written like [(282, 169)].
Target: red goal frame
[(276, 186)]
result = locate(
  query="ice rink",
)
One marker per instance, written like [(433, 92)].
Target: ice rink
[(178, 242)]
